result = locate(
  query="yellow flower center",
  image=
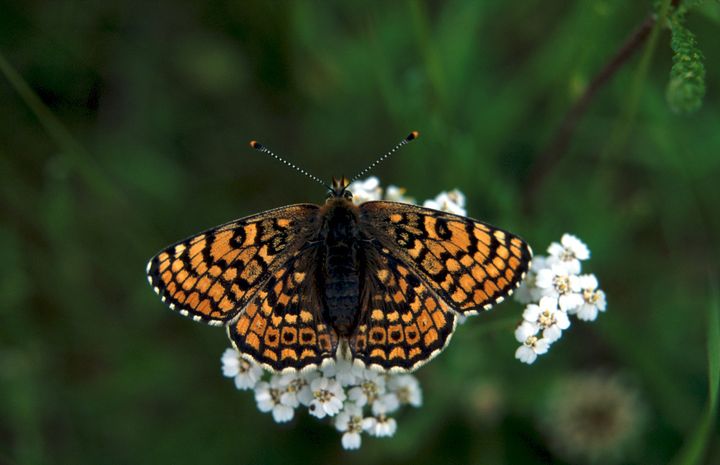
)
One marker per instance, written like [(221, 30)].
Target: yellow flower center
[(562, 284), (546, 319), (591, 296)]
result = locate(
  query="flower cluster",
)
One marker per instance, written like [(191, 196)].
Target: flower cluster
[(357, 400), (554, 289)]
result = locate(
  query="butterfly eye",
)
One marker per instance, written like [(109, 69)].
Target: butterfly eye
[(348, 195)]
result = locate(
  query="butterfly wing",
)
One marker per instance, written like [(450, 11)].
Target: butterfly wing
[(469, 264), (281, 328), (403, 322), (213, 275)]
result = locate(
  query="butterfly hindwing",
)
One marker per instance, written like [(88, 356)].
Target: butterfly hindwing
[(403, 323), (213, 275), (469, 264), (281, 328)]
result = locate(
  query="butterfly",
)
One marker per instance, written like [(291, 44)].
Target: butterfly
[(382, 283)]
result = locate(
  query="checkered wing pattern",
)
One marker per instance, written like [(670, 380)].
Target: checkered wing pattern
[(210, 277), (403, 322), (470, 265), (282, 328)]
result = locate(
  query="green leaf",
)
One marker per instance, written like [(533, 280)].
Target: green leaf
[(694, 448), (686, 88)]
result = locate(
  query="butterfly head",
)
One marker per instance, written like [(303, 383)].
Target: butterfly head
[(339, 189)]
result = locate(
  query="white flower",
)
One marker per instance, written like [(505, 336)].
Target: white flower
[(386, 403), (344, 371), (532, 346), (328, 397), (525, 330), (548, 317), (292, 385), (451, 202), (351, 440), (558, 281), (365, 191), (368, 388), (593, 298), (523, 293), (267, 396), (397, 194), (305, 394), (553, 290), (570, 251), (406, 388), (528, 291), (380, 426), (350, 422), (245, 373), (528, 352)]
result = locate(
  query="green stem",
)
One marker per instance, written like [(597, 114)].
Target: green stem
[(693, 451), (626, 122)]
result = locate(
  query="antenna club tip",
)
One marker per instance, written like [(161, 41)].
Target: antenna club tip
[(255, 144), (412, 136)]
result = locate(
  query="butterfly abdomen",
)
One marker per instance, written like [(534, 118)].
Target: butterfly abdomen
[(341, 266)]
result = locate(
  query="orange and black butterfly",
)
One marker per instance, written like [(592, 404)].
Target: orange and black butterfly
[(381, 283)]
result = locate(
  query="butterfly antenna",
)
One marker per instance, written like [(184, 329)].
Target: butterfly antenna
[(412, 136), (261, 148)]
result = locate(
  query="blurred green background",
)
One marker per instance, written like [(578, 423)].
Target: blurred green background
[(132, 133)]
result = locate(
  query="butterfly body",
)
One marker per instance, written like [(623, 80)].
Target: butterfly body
[(382, 282), (340, 270)]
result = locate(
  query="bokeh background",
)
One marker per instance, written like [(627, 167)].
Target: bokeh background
[(124, 127)]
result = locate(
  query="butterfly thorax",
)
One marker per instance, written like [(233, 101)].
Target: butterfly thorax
[(340, 264)]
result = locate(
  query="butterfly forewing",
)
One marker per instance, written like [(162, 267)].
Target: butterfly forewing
[(469, 264), (213, 275)]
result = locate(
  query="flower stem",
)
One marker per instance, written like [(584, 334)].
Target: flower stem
[(552, 154)]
